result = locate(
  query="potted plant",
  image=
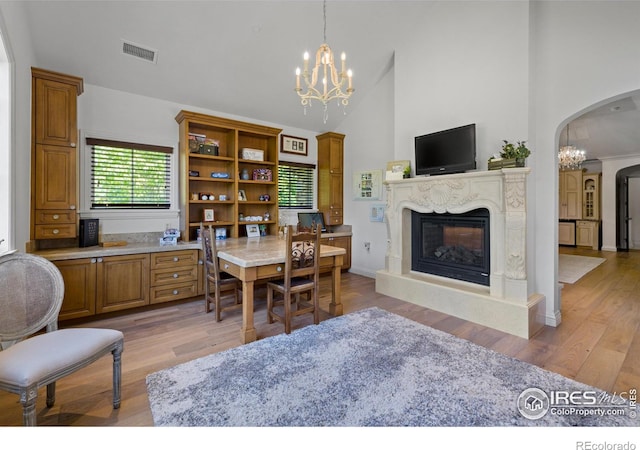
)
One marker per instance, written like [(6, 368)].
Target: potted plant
[(511, 155)]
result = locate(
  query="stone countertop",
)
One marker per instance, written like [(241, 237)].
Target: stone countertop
[(133, 248), (129, 249), (261, 251)]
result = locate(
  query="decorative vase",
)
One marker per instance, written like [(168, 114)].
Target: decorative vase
[(245, 174)]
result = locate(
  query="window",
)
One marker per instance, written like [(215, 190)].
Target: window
[(295, 185), (127, 175)]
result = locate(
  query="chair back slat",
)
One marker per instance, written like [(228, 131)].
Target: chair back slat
[(303, 257)]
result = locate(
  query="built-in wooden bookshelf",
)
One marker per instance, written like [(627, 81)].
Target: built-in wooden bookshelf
[(216, 170)]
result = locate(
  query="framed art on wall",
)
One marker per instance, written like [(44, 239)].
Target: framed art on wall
[(295, 145), (367, 185)]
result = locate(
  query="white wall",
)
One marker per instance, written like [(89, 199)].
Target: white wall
[(368, 146), (20, 43), (575, 46)]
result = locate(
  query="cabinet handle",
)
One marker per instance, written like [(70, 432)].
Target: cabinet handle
[(56, 217), (200, 262), (72, 207), (73, 144), (99, 260), (56, 231), (176, 292), (226, 266), (175, 275), (93, 260), (279, 269), (175, 259)]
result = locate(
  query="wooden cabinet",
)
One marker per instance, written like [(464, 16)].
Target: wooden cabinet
[(587, 234), (330, 177), (79, 287), (567, 233), (105, 284), (342, 242), (54, 184), (113, 283), (174, 275), (122, 282), (204, 177), (570, 202), (591, 196)]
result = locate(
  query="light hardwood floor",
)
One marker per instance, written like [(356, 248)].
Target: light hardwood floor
[(598, 342)]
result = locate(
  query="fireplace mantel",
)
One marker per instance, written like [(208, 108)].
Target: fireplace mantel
[(505, 304)]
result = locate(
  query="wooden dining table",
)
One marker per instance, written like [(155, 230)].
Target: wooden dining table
[(262, 258)]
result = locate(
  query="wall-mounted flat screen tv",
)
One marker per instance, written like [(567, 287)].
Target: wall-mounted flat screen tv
[(446, 151)]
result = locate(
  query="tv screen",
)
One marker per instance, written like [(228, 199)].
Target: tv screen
[(447, 151)]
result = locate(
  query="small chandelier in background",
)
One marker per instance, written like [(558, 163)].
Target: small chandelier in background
[(570, 157), (333, 82)]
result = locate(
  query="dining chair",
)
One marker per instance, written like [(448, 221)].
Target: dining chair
[(217, 283), (301, 275), (33, 351)]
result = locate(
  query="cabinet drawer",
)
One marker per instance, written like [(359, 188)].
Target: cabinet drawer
[(170, 276), (54, 216), (160, 294), (162, 260), (336, 217), (57, 231)]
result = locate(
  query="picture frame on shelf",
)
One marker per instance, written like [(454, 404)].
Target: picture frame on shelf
[(208, 215), (253, 230), (242, 196), (294, 145)]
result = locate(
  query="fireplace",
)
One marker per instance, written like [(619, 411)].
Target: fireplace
[(490, 213), (452, 245)]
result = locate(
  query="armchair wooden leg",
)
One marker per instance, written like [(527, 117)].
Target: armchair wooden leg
[(28, 398), (51, 394), (117, 375)]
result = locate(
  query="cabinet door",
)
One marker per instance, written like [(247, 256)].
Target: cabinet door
[(567, 233), (573, 194), (585, 234), (122, 282), (342, 242), (79, 287), (56, 104), (55, 177)]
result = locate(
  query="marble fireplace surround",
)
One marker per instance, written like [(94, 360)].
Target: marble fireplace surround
[(505, 304)]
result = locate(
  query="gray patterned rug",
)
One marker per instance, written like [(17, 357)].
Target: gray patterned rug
[(368, 368)]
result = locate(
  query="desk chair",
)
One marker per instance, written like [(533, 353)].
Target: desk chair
[(301, 275), (221, 282), (31, 293)]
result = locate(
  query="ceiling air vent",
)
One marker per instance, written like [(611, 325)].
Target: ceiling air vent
[(147, 54)]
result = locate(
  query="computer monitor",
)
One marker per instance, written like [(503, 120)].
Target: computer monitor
[(309, 219)]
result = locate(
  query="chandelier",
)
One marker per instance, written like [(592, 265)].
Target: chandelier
[(570, 157), (333, 82)]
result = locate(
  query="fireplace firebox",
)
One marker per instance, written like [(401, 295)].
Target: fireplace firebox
[(452, 245)]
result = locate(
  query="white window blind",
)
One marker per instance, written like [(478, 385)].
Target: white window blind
[(129, 175), (295, 185)]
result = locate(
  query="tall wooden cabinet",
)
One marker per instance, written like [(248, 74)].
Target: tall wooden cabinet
[(54, 187), (570, 184), (330, 177), (204, 177)]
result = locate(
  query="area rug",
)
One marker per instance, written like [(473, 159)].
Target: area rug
[(573, 267), (367, 368)]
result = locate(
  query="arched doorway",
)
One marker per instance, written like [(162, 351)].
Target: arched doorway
[(626, 200)]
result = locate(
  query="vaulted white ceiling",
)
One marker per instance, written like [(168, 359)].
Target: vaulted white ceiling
[(239, 57)]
